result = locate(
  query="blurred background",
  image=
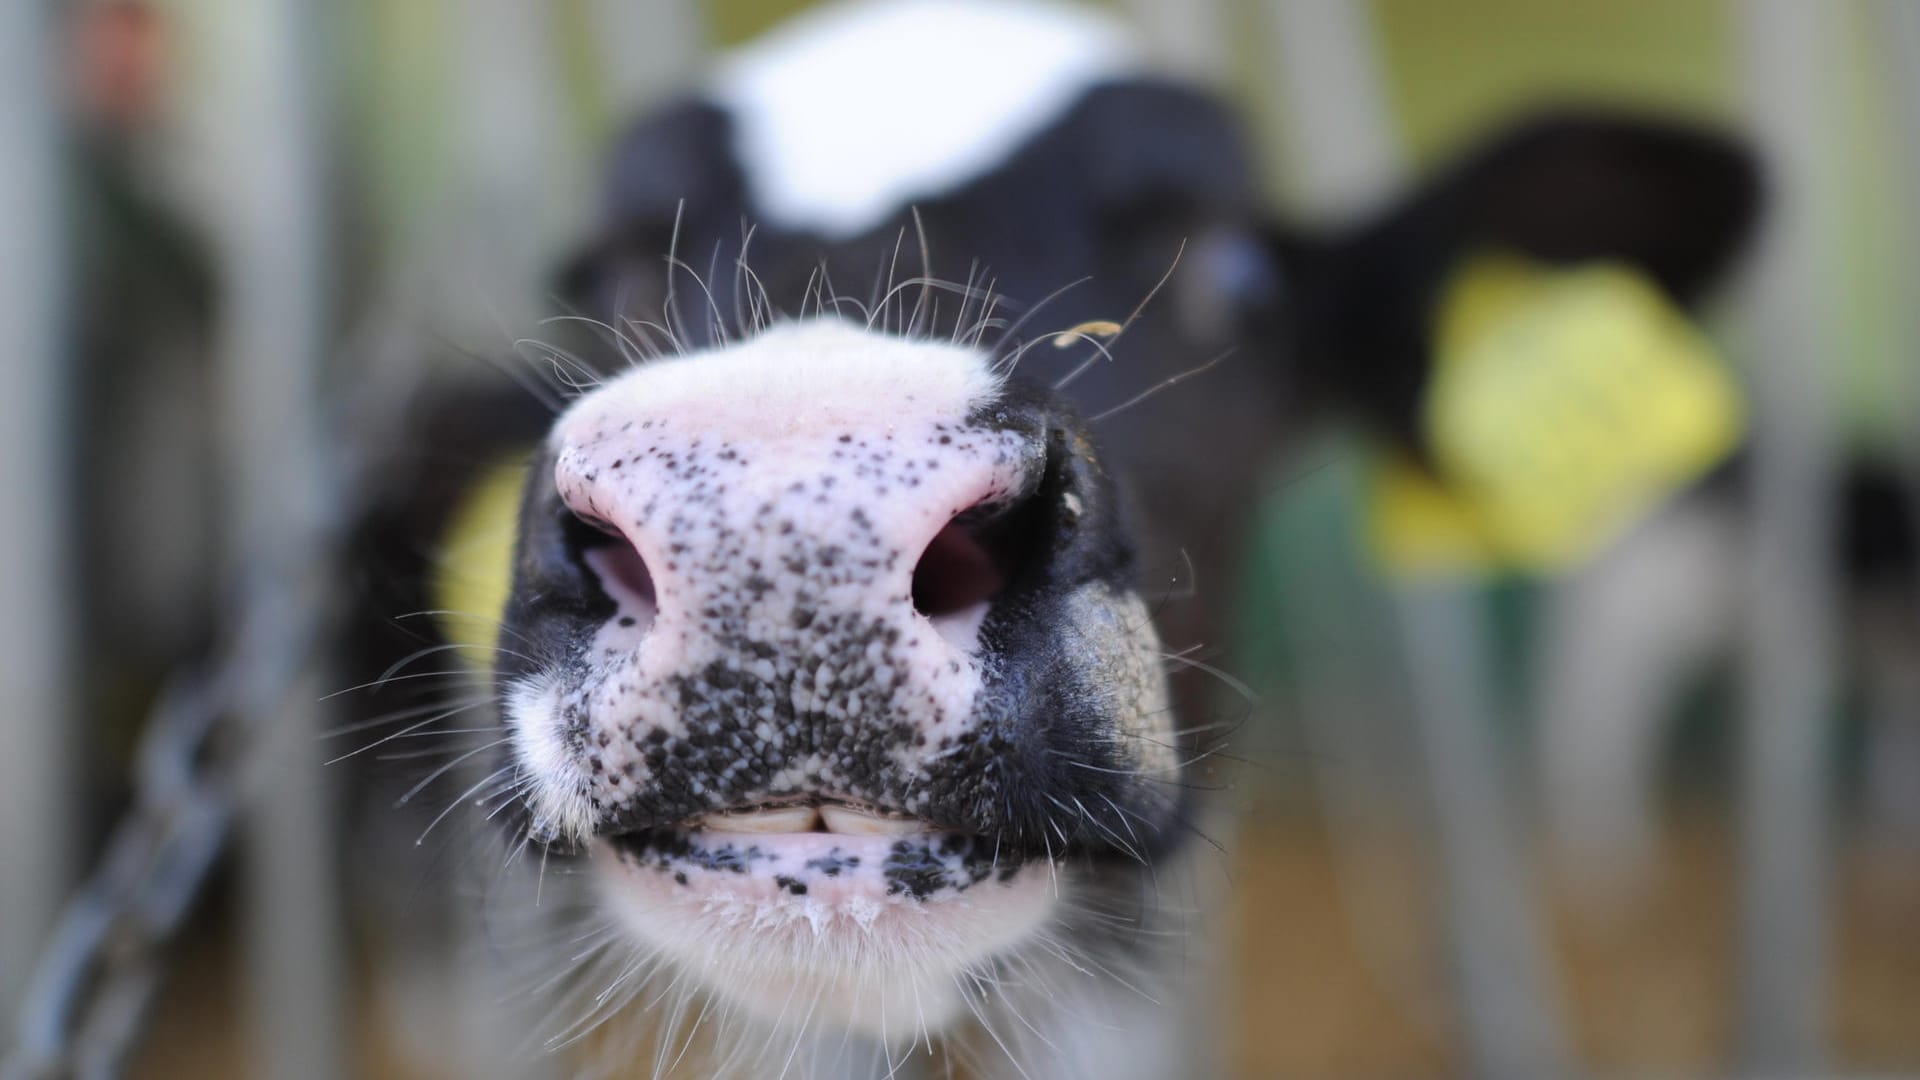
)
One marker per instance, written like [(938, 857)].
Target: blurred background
[(1652, 812)]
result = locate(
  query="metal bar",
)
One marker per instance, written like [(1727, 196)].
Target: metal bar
[(1901, 21), (1500, 958), (1351, 711), (1619, 639), (35, 576), (1334, 92), (1188, 37), (1345, 143), (648, 48), (1892, 797), (504, 228), (1789, 651), (273, 249), (520, 188)]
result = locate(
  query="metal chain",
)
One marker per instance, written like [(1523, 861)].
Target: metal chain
[(85, 1005), (87, 999)]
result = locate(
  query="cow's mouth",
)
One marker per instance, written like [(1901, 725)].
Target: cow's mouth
[(865, 912), (810, 814), (835, 851)]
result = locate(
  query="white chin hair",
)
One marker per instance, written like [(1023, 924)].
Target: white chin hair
[(847, 954)]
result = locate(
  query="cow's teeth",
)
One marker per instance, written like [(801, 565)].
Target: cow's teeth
[(846, 819), (783, 819)]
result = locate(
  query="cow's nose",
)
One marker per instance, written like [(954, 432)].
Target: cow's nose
[(823, 561), (692, 534)]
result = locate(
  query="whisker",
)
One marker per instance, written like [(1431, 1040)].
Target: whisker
[(1164, 384), (448, 767)]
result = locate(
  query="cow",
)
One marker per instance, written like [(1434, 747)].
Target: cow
[(915, 396)]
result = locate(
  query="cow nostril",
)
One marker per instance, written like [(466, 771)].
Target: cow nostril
[(955, 573), (954, 580), (982, 553), (627, 581)]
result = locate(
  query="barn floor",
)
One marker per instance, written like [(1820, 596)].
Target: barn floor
[(1321, 993)]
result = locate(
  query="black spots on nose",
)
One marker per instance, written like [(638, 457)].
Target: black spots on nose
[(667, 850), (834, 863), (920, 868), (574, 728)]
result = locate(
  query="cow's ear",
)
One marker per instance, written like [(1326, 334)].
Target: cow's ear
[(1673, 203), (674, 169)]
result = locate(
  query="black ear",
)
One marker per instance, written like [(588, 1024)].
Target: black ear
[(674, 167), (1676, 202)]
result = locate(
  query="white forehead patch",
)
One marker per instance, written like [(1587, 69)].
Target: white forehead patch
[(850, 112), (795, 378)]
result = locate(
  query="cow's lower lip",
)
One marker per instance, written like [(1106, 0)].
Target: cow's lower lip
[(866, 927), (833, 870)]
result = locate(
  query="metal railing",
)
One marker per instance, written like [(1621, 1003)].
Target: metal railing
[(36, 576), (1790, 682)]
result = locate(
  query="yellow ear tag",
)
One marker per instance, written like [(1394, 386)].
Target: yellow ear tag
[(475, 568), (1564, 403)]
